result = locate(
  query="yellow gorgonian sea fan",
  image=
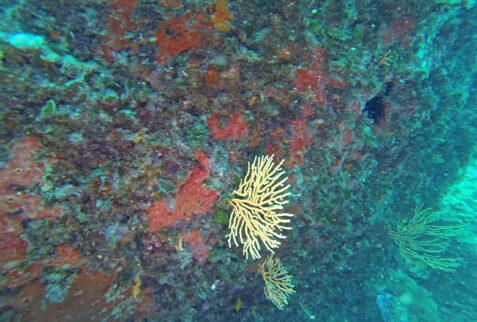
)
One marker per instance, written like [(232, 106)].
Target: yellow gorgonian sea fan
[(425, 238), (278, 284), (256, 217)]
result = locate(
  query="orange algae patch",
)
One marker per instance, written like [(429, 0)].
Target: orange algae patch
[(254, 142), (236, 129), (191, 237), (19, 276), (307, 110), (211, 78), (22, 170), (119, 22), (12, 250), (315, 79), (275, 145), (192, 197), (25, 206), (85, 301), (13, 256), (301, 138), (221, 15), (286, 53), (67, 256), (197, 245), (178, 35)]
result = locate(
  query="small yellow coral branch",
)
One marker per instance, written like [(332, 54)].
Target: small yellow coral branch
[(255, 216), (278, 284), (136, 289)]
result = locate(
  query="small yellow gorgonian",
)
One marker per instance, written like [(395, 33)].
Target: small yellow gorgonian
[(255, 217), (278, 284)]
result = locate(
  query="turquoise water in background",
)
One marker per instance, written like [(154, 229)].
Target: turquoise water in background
[(132, 133)]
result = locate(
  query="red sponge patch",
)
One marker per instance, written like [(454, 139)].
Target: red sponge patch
[(192, 197)]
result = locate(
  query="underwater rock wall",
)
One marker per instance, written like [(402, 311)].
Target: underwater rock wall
[(126, 126)]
